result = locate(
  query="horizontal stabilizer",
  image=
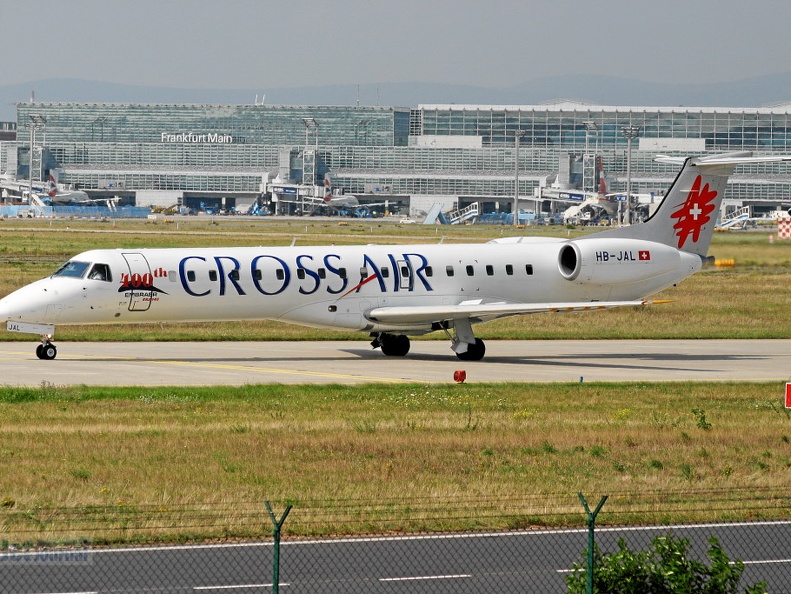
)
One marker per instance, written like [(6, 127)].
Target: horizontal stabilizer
[(741, 158)]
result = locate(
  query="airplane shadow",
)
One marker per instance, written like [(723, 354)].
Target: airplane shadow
[(669, 361), (602, 360)]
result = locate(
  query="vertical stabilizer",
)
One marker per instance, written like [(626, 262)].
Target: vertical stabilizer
[(686, 217)]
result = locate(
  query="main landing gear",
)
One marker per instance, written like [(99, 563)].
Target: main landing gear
[(46, 350), (463, 343), (392, 345), (474, 352)]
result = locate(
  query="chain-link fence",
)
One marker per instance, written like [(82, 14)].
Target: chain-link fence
[(508, 546)]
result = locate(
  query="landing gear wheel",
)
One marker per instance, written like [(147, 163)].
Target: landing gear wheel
[(46, 351), (394, 345), (475, 352)]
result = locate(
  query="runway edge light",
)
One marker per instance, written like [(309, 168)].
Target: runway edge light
[(788, 394)]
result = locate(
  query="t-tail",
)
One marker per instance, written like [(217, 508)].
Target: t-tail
[(688, 214), (327, 188)]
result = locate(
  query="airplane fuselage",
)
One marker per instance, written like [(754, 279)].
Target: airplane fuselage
[(337, 286)]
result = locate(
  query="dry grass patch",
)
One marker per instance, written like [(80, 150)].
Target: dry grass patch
[(507, 455)]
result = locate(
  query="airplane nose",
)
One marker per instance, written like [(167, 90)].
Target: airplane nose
[(24, 305), (6, 309)]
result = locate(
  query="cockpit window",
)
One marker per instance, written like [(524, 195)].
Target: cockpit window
[(72, 268), (100, 272)]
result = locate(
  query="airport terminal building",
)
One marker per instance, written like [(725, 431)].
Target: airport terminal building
[(234, 156)]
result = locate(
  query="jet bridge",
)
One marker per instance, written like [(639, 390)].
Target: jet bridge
[(470, 213)]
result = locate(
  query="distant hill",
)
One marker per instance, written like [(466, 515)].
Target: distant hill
[(604, 90)]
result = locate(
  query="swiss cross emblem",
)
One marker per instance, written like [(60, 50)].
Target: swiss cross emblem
[(694, 213), (643, 255)]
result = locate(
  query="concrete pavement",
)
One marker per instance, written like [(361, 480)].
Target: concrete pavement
[(354, 362)]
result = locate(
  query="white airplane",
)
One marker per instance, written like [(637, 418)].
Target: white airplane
[(57, 194), (335, 201), (390, 292), (50, 193), (332, 200)]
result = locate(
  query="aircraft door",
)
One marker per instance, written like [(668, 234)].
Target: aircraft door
[(139, 283), (405, 276)]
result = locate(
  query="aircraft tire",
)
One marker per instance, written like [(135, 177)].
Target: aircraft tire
[(395, 345), (46, 351), (475, 352)]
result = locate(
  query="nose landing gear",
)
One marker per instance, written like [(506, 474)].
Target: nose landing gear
[(46, 350)]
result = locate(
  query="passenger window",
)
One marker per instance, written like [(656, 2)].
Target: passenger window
[(258, 275), (429, 271), (234, 275), (301, 273), (191, 276), (470, 270), (385, 272), (529, 269), (405, 271), (490, 270), (509, 269), (322, 273), (212, 275), (364, 272), (100, 272), (280, 274), (342, 272), (449, 270)]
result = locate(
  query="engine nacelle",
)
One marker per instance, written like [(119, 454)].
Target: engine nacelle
[(617, 261)]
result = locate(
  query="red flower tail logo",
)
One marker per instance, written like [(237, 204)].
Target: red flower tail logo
[(694, 213)]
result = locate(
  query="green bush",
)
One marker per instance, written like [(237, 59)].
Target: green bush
[(665, 568)]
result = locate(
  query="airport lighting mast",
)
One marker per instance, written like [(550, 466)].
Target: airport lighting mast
[(588, 163), (629, 132), (36, 121), (517, 137), (309, 156)]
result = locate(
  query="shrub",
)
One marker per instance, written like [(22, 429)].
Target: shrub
[(664, 568)]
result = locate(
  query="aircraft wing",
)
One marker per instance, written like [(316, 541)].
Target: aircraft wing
[(421, 314)]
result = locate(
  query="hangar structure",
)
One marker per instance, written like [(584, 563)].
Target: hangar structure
[(412, 159)]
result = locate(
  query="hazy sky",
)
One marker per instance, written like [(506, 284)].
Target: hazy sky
[(495, 43)]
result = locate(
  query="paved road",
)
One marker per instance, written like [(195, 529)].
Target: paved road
[(236, 363), (533, 561)]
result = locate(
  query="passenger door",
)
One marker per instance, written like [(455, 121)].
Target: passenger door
[(139, 283)]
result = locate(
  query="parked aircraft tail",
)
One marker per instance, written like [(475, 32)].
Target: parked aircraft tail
[(327, 188)]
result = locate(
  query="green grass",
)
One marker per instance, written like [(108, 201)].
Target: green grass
[(503, 454)]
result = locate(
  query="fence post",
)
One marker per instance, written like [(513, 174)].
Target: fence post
[(278, 524), (591, 526)]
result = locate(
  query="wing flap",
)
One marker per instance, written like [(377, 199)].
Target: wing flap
[(420, 314)]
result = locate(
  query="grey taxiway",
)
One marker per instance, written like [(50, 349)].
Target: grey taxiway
[(355, 362)]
